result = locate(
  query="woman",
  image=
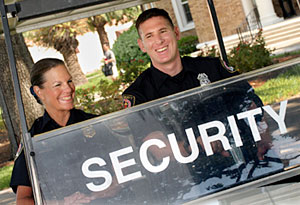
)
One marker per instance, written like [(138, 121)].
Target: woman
[(52, 86)]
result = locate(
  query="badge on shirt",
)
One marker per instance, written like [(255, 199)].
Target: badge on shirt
[(203, 79), (88, 131), (230, 69), (128, 101)]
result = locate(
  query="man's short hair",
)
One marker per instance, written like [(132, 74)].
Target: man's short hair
[(154, 12)]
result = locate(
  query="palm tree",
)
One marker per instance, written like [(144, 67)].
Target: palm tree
[(62, 37), (32, 109), (98, 22)]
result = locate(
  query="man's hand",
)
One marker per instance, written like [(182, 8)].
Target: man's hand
[(160, 153), (216, 147)]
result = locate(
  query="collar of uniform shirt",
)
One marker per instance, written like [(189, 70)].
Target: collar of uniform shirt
[(158, 77), (186, 64), (47, 118)]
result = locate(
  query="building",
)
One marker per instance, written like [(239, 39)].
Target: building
[(193, 17)]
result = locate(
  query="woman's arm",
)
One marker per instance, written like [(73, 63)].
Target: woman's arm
[(24, 195)]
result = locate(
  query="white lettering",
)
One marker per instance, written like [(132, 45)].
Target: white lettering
[(192, 142), (144, 158), (250, 117), (96, 174), (278, 118), (235, 131), (208, 139), (118, 166)]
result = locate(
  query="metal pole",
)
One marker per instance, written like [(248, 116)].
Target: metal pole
[(25, 134), (217, 30)]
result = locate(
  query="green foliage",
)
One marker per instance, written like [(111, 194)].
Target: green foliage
[(114, 17), (101, 98), (93, 80), (282, 87), (130, 59), (187, 45), (5, 175), (250, 56), (62, 37)]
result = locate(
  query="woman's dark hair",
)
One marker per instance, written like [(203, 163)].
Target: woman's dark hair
[(39, 69), (154, 12)]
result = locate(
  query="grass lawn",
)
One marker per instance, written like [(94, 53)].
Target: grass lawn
[(282, 87), (5, 174), (93, 80), (292, 53)]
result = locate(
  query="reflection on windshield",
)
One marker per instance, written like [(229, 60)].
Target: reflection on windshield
[(172, 152)]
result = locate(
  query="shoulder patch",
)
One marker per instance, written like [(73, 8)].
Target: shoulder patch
[(128, 101), (20, 149), (230, 69)]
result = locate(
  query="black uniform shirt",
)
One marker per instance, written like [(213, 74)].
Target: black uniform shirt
[(43, 124), (153, 84)]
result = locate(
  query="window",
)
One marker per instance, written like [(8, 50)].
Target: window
[(183, 15)]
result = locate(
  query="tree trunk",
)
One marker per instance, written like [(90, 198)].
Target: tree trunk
[(23, 63), (73, 65), (99, 23)]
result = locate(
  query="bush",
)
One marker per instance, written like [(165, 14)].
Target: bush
[(103, 98), (187, 45), (209, 51), (130, 59), (250, 56)]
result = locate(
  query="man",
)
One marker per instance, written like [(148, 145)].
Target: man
[(110, 68), (169, 73)]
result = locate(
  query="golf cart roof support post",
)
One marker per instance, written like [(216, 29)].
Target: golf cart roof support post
[(25, 134), (217, 30)]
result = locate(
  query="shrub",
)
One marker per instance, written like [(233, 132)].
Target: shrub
[(187, 45), (248, 56), (103, 98), (130, 59), (209, 51)]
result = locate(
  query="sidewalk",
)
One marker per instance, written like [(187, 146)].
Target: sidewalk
[(7, 197)]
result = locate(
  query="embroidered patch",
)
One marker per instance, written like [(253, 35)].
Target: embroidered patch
[(230, 69), (128, 101), (203, 79)]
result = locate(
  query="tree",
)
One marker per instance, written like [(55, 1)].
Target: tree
[(62, 37), (130, 59), (114, 17), (23, 63)]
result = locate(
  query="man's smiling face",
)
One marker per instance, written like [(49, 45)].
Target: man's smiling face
[(159, 39)]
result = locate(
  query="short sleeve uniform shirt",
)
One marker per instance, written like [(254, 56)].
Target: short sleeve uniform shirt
[(153, 84), (43, 124)]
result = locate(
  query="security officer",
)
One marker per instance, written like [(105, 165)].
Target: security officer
[(52, 86), (169, 73)]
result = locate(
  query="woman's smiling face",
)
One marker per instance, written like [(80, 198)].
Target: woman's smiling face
[(58, 91)]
